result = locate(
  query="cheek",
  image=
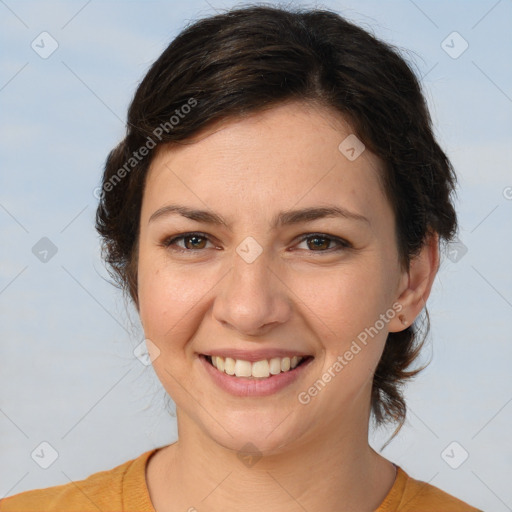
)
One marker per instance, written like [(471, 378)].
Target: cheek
[(345, 299), (344, 308), (170, 301), (351, 339)]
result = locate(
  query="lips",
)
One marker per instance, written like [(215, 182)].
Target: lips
[(254, 378)]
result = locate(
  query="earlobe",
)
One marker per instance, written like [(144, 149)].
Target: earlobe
[(417, 284)]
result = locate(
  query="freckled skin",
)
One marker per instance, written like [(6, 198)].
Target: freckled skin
[(291, 296)]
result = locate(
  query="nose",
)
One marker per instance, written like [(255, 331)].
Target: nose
[(252, 298)]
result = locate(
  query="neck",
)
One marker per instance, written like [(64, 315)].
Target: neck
[(335, 470)]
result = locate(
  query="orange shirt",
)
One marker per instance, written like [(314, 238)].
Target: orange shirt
[(123, 488)]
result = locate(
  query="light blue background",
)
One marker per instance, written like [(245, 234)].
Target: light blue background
[(68, 375)]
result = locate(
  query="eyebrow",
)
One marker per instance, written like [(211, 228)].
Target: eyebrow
[(284, 218)]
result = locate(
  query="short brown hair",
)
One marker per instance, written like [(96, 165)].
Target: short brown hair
[(248, 59)]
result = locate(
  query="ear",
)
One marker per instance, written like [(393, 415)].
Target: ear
[(416, 283)]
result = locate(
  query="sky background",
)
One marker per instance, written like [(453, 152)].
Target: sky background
[(68, 374)]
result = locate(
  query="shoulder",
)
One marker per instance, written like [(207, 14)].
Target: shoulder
[(99, 490), (411, 495)]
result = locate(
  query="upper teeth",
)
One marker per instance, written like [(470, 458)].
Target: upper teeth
[(259, 369)]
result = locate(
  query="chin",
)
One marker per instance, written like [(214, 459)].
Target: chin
[(250, 432)]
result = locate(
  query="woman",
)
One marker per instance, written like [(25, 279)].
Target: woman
[(275, 212)]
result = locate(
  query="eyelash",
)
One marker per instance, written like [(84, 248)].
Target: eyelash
[(342, 244)]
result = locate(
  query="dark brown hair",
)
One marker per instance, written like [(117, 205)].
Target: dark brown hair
[(247, 59)]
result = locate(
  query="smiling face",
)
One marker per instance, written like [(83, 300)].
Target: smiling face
[(254, 280)]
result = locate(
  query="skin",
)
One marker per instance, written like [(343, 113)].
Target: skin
[(314, 456)]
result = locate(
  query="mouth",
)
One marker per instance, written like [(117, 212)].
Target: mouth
[(257, 370)]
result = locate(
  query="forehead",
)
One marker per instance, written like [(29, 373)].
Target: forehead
[(285, 156)]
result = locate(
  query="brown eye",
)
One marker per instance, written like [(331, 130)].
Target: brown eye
[(318, 242), (196, 242), (191, 242)]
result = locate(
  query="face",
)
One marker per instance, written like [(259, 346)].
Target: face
[(252, 279)]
